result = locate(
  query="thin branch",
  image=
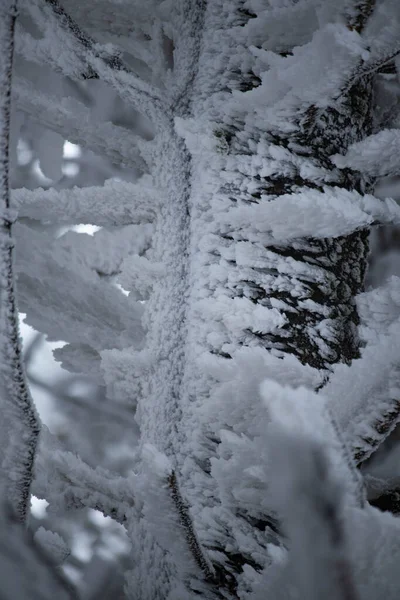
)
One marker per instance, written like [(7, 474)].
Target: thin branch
[(31, 348), (196, 550), (115, 18), (73, 120), (22, 420), (64, 478), (369, 68), (187, 59), (213, 575), (371, 380), (104, 65), (135, 204), (113, 412), (311, 501)]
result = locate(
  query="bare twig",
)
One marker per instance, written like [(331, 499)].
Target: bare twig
[(19, 412)]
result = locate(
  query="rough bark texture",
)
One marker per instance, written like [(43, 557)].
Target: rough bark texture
[(312, 282)]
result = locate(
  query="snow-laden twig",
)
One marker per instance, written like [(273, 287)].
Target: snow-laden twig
[(120, 18), (73, 120), (370, 67), (377, 487), (310, 501), (365, 396), (186, 60), (186, 522), (115, 203), (69, 301), (18, 412), (168, 515), (114, 413), (104, 64), (377, 155), (66, 481)]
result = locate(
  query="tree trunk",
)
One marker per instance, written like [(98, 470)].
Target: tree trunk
[(310, 284)]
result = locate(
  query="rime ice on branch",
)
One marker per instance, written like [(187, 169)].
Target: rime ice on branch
[(20, 424), (251, 128)]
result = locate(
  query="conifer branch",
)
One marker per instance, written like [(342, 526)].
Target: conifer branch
[(72, 119), (137, 204), (107, 66), (216, 577), (370, 68), (63, 478), (18, 412), (195, 548), (310, 499)]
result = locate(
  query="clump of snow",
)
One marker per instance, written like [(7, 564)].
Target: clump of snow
[(377, 155)]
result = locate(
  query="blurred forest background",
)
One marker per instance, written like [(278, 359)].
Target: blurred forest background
[(74, 408)]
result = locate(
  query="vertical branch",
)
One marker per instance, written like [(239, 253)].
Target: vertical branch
[(185, 520), (18, 452), (216, 577)]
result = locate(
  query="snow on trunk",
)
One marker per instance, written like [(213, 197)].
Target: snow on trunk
[(254, 140)]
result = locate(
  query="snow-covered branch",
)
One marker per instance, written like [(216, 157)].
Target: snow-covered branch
[(81, 308), (169, 515), (73, 120), (186, 522), (115, 203), (372, 382), (377, 155), (20, 428), (187, 52), (67, 481), (120, 18), (368, 68), (100, 62), (332, 212)]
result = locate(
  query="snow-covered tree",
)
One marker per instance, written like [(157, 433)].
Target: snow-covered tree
[(220, 302)]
